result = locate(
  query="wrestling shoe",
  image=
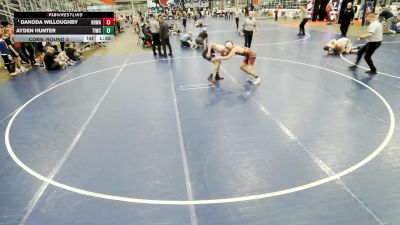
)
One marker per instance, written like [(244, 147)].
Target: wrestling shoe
[(218, 77), (256, 81), (353, 68), (371, 72), (250, 79), (211, 80)]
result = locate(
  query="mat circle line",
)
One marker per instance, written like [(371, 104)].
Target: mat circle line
[(365, 68), (307, 36), (376, 152)]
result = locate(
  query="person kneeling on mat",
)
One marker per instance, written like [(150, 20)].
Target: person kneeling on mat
[(186, 39), (202, 39)]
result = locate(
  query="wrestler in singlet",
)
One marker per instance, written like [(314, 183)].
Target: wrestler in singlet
[(222, 50), (248, 62), (214, 48), (250, 55)]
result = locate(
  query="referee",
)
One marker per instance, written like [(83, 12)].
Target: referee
[(374, 38), (249, 27)]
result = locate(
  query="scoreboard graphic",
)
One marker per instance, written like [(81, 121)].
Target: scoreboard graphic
[(64, 26)]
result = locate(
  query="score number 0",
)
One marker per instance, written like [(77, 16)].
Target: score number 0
[(108, 21)]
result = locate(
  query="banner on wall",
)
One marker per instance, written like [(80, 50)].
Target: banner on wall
[(368, 8), (102, 8), (151, 3), (310, 8), (164, 2), (186, 3), (335, 6), (196, 3), (332, 10), (172, 3)]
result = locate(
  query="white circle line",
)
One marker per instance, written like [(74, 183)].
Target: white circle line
[(385, 74), (390, 42), (284, 42), (235, 31), (210, 201)]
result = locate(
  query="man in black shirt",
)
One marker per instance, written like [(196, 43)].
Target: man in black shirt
[(50, 59), (347, 17), (71, 52), (164, 36)]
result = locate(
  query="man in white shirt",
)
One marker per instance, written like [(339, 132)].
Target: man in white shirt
[(237, 16), (249, 27), (155, 33), (374, 38), (305, 19)]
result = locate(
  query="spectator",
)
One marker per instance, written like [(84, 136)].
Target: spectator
[(388, 16), (278, 6), (72, 53), (146, 35), (155, 33), (184, 19), (202, 39), (20, 47), (15, 55), (164, 35), (6, 55), (306, 17), (347, 18), (237, 16), (395, 28), (186, 40), (54, 61), (31, 52)]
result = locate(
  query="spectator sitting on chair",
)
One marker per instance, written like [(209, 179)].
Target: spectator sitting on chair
[(145, 35)]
